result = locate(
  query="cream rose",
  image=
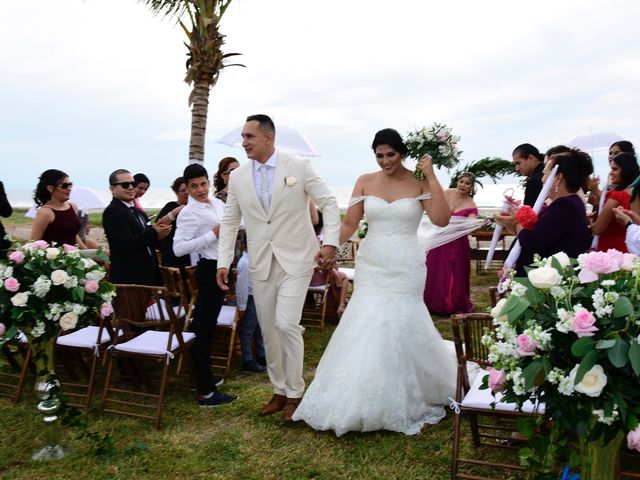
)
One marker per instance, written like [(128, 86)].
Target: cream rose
[(495, 311), (58, 277), (544, 277), (592, 383), (52, 253), (68, 321), (561, 257), (290, 181), (20, 299)]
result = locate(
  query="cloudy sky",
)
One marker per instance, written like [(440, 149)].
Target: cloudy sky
[(88, 86)]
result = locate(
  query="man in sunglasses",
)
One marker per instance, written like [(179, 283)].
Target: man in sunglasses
[(132, 238)]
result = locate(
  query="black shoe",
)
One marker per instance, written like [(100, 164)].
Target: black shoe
[(262, 361), (217, 380), (254, 367), (217, 399)]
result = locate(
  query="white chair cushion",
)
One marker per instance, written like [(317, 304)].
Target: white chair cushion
[(227, 316), (318, 289), (86, 337), (153, 311), (477, 398), (152, 342), (349, 272)]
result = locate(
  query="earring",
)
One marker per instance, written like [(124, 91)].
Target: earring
[(555, 190)]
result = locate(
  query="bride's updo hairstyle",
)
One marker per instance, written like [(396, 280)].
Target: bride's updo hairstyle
[(52, 177), (391, 137), (575, 165)]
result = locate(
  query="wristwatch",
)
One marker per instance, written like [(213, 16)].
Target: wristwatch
[(627, 225)]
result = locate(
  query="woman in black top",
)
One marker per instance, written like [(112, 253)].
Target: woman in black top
[(5, 211)]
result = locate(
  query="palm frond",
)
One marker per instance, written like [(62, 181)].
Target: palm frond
[(166, 7), (492, 167)]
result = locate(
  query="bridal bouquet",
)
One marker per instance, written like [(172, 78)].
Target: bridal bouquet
[(568, 335), (438, 142), (46, 289)]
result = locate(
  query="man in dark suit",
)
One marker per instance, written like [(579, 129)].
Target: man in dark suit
[(130, 235), (528, 162)]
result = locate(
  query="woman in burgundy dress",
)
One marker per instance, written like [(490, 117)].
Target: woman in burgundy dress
[(57, 218), (447, 288)]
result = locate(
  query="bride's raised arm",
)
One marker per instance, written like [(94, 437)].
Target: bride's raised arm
[(354, 214), (436, 207)]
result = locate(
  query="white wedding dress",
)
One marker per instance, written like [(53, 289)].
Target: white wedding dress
[(386, 366)]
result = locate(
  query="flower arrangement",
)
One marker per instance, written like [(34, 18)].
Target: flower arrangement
[(568, 335), (363, 228), (438, 142), (45, 289)]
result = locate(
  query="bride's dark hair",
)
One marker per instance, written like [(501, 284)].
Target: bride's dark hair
[(391, 137)]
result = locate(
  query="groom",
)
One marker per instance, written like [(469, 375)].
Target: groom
[(272, 194)]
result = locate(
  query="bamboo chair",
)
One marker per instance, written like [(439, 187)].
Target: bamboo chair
[(17, 354), (130, 305), (476, 404), (314, 311)]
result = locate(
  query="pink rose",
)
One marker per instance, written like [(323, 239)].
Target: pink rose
[(587, 276), (106, 310), (2, 330), (633, 439), (497, 379), (39, 244), (526, 346), (11, 284), (69, 248), (628, 261), (90, 286), (583, 323), (603, 262), (16, 257), (442, 135)]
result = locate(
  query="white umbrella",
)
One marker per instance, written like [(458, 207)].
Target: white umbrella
[(589, 142), (286, 139), (85, 198)]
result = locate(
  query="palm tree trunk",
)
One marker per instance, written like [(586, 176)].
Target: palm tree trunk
[(199, 100)]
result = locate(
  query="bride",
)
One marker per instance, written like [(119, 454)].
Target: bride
[(386, 366)]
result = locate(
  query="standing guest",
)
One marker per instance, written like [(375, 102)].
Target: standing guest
[(5, 211), (448, 284), (272, 194), (527, 162), (624, 170), (197, 231), (130, 235), (562, 226), (167, 216), (623, 146), (249, 328), (142, 185), (221, 178), (57, 218)]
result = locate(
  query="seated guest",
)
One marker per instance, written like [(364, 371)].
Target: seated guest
[(562, 226), (142, 185), (167, 216), (221, 178), (5, 211), (249, 327), (624, 170)]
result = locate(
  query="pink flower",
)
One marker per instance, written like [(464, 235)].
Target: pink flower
[(90, 286), (69, 248), (106, 310), (11, 284), (583, 323), (2, 330), (603, 262), (526, 346), (16, 257), (39, 244), (587, 276), (497, 379), (633, 439), (442, 135), (628, 261)]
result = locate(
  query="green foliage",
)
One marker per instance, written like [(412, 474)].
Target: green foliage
[(493, 168)]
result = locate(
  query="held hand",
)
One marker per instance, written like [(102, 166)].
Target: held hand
[(506, 219), (425, 165), (325, 258), (161, 230), (222, 278)]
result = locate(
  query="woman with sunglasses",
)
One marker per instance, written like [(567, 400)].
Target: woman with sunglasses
[(221, 178), (57, 218)]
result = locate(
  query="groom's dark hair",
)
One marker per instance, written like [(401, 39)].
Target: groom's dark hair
[(195, 170), (266, 124)]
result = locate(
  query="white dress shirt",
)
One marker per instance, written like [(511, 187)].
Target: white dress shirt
[(194, 228), (271, 173), (243, 282)]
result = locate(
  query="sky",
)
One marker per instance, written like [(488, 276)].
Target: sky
[(88, 86)]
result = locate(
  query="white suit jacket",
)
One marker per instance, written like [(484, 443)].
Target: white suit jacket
[(285, 231)]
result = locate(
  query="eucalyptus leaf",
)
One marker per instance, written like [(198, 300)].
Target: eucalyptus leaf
[(587, 364), (622, 308), (530, 373), (619, 353), (582, 346), (514, 307), (634, 357), (77, 294), (604, 344)]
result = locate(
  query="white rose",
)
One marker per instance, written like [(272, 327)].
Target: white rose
[(88, 263), (561, 257), (52, 253), (495, 311), (592, 383), (20, 299), (58, 277), (68, 321), (544, 277), (290, 181)]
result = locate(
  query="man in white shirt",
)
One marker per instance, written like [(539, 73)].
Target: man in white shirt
[(197, 229)]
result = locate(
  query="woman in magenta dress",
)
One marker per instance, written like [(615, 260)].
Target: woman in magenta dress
[(447, 287), (624, 170)]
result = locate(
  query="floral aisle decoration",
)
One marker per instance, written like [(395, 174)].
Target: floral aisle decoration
[(438, 142), (568, 335), (45, 290)]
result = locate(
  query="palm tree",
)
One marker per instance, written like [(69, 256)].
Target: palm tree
[(205, 57), (492, 167)]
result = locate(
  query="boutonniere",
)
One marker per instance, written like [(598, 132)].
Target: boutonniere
[(290, 181)]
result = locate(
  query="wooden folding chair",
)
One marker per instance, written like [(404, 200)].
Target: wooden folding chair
[(17, 354), (225, 339), (314, 311), (131, 305), (476, 404)]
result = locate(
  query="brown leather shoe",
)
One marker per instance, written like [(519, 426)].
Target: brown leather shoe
[(290, 408), (276, 404)]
